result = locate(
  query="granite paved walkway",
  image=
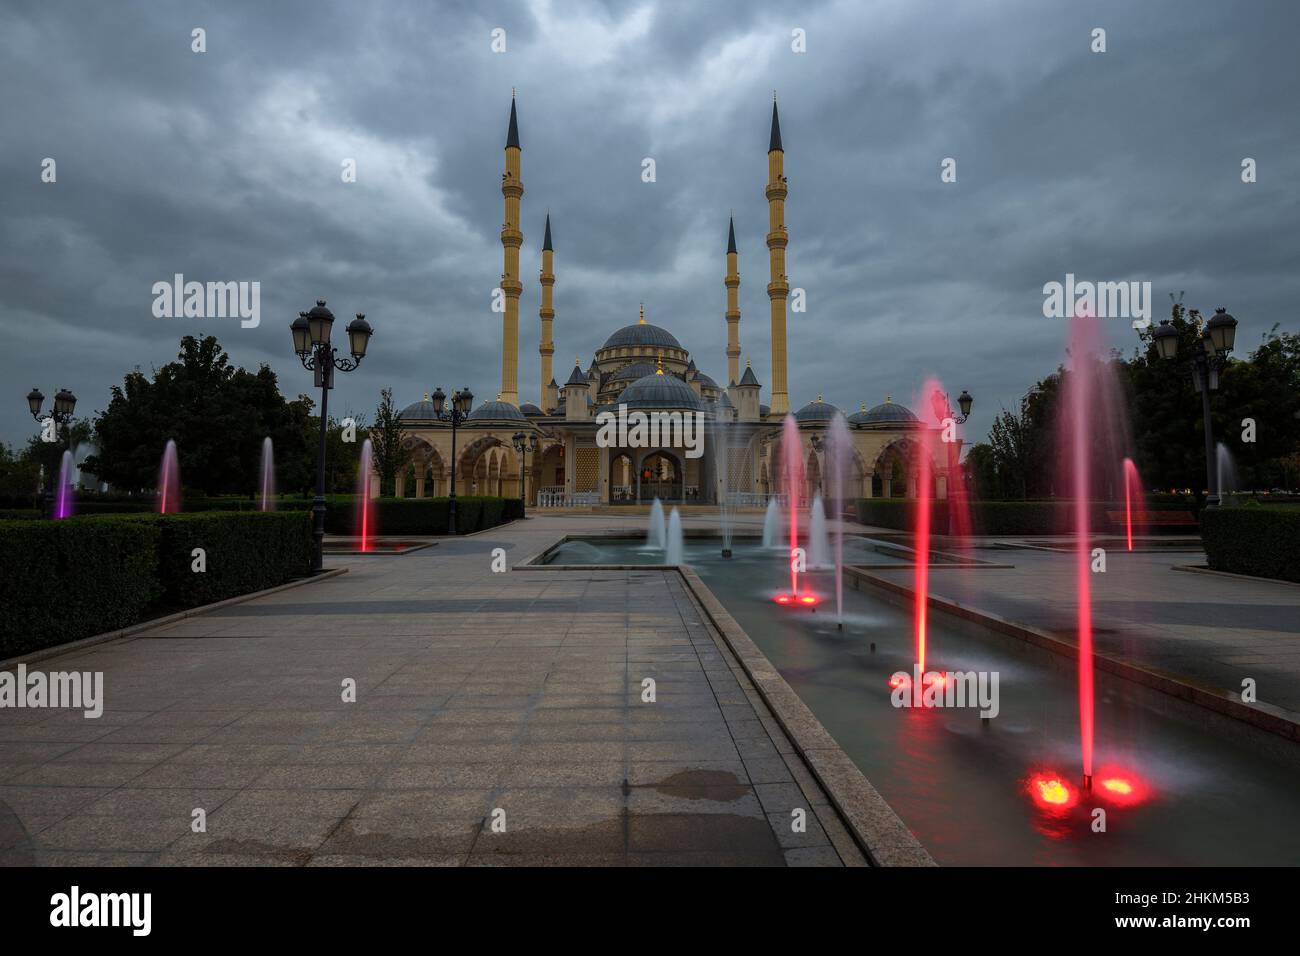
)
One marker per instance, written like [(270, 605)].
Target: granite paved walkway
[(476, 692), (1210, 629)]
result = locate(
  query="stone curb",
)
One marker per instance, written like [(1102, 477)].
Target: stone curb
[(877, 829), (134, 629)]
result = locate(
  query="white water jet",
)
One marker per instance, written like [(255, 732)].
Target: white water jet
[(721, 467), (1227, 472), (673, 549), (772, 525), (266, 477), (655, 535), (819, 541), (839, 449)]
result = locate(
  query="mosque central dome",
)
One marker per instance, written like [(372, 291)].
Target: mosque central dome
[(642, 333)]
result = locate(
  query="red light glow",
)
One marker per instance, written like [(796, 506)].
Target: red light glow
[(900, 680), (1050, 791), (808, 599), (1120, 786)]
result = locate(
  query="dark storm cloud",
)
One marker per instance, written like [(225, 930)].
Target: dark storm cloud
[(225, 166)]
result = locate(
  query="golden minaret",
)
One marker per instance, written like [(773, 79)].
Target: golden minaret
[(546, 347), (778, 289), (732, 281), (512, 188)]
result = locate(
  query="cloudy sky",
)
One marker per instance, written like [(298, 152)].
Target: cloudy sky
[(225, 165)]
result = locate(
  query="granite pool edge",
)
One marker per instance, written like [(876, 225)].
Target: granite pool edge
[(877, 829)]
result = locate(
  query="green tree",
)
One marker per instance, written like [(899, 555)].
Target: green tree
[(386, 440), (216, 413)]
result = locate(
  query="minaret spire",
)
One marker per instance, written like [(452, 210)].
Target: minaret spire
[(546, 346), (732, 282), (512, 188), (778, 288)]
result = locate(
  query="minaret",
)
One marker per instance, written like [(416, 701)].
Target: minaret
[(512, 188), (778, 289), (732, 283), (546, 346)]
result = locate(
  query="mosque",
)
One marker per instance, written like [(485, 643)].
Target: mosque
[(645, 367)]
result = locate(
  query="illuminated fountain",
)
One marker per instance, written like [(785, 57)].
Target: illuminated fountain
[(819, 540), (365, 503), (793, 465), (772, 525), (655, 537), (839, 448), (675, 543), (921, 548), (1135, 514), (169, 481), (1226, 471), (63, 493), (721, 468), (266, 478)]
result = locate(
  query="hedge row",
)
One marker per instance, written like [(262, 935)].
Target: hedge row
[(396, 516), (1011, 517), (422, 516), (64, 580), (1263, 541)]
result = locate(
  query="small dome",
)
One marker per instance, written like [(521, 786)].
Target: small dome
[(421, 411), (705, 381), (817, 411), (528, 408), (888, 413), (642, 334), (630, 373), (496, 412), (660, 391)]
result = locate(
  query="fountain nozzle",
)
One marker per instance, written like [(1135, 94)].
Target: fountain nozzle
[(1087, 783), (726, 552)]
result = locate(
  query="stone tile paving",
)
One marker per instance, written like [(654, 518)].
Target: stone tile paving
[(476, 692)]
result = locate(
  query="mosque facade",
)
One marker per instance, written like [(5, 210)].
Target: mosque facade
[(644, 367)]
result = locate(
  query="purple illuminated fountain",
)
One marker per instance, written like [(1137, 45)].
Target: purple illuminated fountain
[(63, 497)]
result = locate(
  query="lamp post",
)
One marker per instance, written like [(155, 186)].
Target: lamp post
[(65, 403), (1209, 356), (943, 412), (523, 444), (311, 342), (461, 402)]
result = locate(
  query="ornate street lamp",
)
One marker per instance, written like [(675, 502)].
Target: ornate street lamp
[(1209, 356), (943, 411), (524, 444), (461, 402), (65, 404), (311, 342)]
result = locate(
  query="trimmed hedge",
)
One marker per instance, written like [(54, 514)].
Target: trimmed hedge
[(392, 516), (1263, 541), (1010, 517), (61, 581), (244, 552), (64, 580)]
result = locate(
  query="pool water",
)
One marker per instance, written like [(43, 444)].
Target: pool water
[(1217, 791)]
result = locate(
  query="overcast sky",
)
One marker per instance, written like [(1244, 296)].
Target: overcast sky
[(225, 165)]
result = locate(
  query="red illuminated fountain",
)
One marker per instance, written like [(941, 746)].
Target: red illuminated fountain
[(169, 481), (1135, 515), (792, 467), (365, 501)]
